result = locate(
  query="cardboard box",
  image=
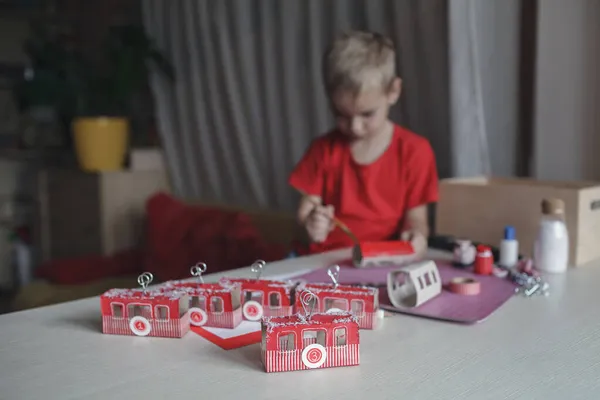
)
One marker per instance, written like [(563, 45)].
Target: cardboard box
[(479, 208)]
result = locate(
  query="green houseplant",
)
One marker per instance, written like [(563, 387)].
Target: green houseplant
[(92, 89)]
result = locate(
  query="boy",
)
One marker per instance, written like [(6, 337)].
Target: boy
[(372, 174)]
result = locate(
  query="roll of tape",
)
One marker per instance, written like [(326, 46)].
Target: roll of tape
[(465, 286)]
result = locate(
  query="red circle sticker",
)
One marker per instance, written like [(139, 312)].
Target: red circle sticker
[(140, 326), (252, 310), (314, 356), (198, 316)]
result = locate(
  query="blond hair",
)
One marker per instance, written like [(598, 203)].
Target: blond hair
[(359, 60)]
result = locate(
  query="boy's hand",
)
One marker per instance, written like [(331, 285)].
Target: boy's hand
[(319, 223), (418, 241)]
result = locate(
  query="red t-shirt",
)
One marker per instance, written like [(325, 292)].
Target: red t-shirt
[(370, 199)]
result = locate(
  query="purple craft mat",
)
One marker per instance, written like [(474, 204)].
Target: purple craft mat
[(447, 306)]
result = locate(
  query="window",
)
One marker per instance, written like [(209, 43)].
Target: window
[(254, 295), (117, 310), (427, 279), (421, 282), (313, 336), (340, 336), (340, 304), (162, 312), (286, 341), (184, 305), (139, 310), (433, 278), (217, 305), (357, 307), (274, 300), (235, 299), (198, 302)]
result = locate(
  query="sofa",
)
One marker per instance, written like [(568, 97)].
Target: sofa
[(274, 227)]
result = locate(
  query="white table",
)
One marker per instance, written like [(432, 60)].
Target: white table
[(535, 348)]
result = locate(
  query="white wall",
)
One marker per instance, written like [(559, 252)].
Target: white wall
[(567, 128)]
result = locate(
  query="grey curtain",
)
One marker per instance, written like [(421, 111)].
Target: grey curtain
[(248, 97)]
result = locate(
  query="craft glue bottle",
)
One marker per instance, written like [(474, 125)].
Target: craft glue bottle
[(551, 251), (509, 248)]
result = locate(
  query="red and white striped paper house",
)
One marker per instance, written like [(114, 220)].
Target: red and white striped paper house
[(298, 342), (362, 302), (262, 297), (143, 312), (365, 254), (211, 304)]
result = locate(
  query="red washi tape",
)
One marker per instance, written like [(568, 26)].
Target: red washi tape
[(465, 286)]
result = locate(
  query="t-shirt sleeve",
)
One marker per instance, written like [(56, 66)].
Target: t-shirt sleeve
[(308, 174), (422, 180)]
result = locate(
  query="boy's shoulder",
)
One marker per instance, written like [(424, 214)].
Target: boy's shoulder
[(329, 141), (412, 148), (410, 140)]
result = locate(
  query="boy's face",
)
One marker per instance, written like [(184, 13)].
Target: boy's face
[(364, 115)]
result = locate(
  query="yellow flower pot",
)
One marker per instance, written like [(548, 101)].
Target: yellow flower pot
[(101, 143)]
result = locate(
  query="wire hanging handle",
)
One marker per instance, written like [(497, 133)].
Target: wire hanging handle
[(309, 301), (334, 274), (257, 268), (145, 279), (197, 271)]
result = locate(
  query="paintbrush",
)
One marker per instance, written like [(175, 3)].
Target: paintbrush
[(335, 220)]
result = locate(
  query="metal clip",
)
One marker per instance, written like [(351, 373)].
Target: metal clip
[(144, 280), (529, 285), (197, 271), (309, 301), (334, 273), (257, 268)]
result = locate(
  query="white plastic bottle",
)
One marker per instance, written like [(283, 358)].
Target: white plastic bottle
[(551, 252), (509, 248)]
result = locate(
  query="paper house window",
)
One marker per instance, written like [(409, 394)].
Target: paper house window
[(117, 310), (313, 336), (235, 302), (217, 305), (198, 302), (184, 306), (161, 312), (256, 295), (139, 310), (426, 280), (338, 304), (357, 307), (340, 336), (287, 341), (274, 300)]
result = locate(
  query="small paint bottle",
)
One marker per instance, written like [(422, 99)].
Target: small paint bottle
[(509, 248), (484, 261)]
